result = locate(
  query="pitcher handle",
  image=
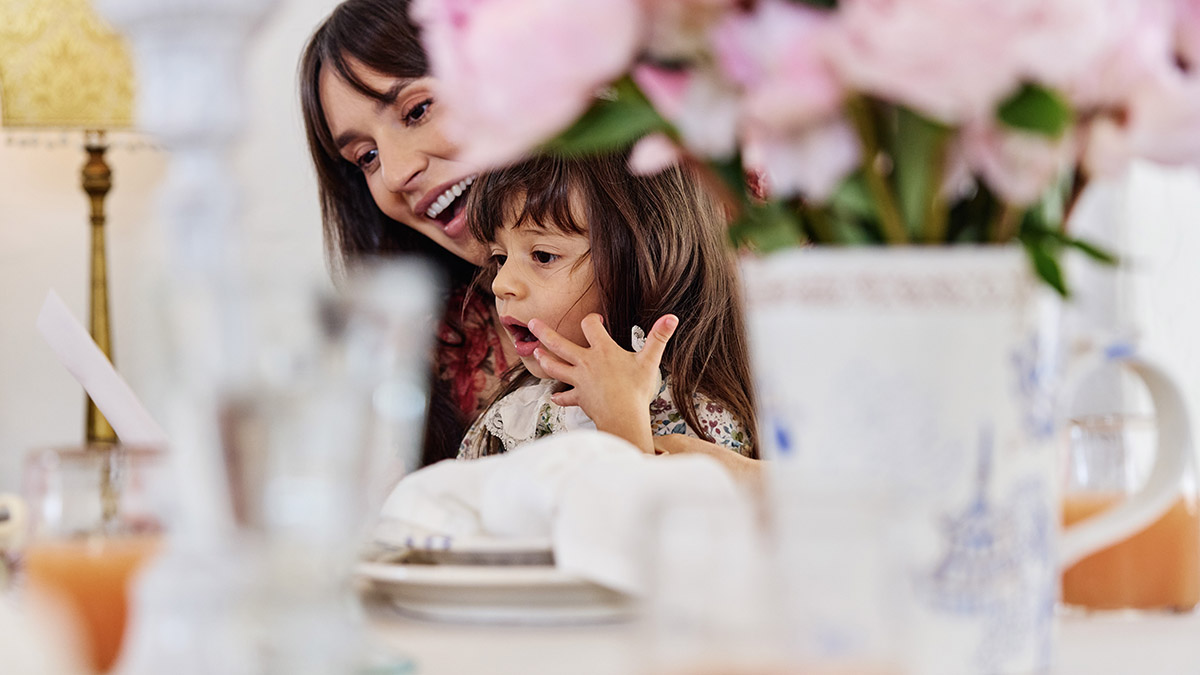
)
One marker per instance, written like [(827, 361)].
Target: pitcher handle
[(1172, 458)]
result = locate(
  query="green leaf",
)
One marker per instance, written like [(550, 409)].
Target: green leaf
[(1038, 110), (733, 175), (852, 199), (1042, 254), (767, 227), (919, 156), (1093, 251), (611, 123), (1035, 227)]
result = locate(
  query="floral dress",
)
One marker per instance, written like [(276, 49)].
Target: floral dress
[(470, 354), (528, 414)]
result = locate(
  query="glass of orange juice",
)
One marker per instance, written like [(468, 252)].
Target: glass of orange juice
[(1109, 458), (95, 517)]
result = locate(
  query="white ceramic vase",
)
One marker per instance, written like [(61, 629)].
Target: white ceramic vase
[(931, 377)]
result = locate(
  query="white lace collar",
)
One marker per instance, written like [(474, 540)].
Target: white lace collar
[(515, 418)]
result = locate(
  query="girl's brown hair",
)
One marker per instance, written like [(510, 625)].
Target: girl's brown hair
[(379, 35), (658, 246)]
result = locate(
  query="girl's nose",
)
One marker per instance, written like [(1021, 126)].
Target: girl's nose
[(506, 284)]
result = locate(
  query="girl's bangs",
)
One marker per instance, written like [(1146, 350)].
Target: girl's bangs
[(549, 193)]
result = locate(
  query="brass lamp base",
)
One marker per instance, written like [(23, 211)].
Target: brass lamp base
[(97, 181)]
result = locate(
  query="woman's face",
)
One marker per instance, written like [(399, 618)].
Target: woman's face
[(409, 165)]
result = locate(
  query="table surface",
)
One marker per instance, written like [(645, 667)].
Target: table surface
[(1096, 644)]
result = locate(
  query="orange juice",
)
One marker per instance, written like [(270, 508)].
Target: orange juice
[(91, 577), (1157, 568)]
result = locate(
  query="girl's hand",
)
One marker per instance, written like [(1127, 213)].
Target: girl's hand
[(613, 386)]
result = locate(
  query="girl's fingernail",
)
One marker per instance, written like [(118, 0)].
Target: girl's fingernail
[(537, 353), (672, 321)]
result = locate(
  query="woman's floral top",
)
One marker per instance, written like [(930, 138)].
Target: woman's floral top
[(469, 353), (528, 414)]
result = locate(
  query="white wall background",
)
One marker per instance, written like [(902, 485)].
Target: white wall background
[(45, 234), (1153, 215)]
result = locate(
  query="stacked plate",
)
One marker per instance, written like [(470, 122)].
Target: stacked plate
[(483, 580)]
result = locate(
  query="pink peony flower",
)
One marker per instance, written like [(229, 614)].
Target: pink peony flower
[(702, 106), (1017, 166), (1142, 99), (956, 60), (776, 55), (513, 73), (652, 154), (1160, 122), (811, 162), (678, 29)]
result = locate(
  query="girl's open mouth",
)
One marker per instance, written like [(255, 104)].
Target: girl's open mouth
[(523, 339)]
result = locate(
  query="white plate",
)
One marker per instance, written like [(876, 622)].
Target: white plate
[(510, 594), (397, 542)]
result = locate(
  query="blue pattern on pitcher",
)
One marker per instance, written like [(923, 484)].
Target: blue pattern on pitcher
[(1038, 375), (997, 566)]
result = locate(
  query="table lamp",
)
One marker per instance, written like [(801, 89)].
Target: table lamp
[(62, 68)]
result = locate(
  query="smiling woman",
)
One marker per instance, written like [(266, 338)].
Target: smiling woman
[(391, 183)]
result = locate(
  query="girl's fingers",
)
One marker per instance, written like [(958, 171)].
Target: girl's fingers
[(566, 398), (594, 331), (553, 342), (555, 367), (660, 335)]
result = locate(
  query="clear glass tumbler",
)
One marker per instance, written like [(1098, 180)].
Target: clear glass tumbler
[(95, 520), (1109, 457)]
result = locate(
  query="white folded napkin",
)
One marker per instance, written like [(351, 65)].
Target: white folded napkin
[(588, 493), (77, 351)]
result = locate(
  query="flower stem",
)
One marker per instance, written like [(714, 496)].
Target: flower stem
[(818, 220), (1004, 224), (890, 220), (936, 212)]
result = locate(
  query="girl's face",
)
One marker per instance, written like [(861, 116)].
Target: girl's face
[(542, 274), (409, 165)]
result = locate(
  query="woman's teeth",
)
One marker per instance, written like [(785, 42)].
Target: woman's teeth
[(447, 198)]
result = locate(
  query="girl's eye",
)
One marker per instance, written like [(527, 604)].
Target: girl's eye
[(544, 257), (417, 112), (365, 160), (498, 259)]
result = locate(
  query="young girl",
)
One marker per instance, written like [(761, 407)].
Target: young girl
[(584, 255)]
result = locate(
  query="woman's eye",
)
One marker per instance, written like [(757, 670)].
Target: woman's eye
[(365, 160), (417, 112), (544, 258)]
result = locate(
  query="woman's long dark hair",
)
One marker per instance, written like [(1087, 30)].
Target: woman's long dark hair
[(378, 34), (658, 246)]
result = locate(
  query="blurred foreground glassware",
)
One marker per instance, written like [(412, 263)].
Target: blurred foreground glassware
[(1158, 568), (97, 517), (843, 589), (322, 416), (711, 602)]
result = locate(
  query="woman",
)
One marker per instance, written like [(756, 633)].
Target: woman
[(387, 177), (389, 183)]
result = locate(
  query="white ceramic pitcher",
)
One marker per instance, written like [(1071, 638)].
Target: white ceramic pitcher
[(934, 374)]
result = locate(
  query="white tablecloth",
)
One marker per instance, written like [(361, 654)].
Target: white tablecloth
[(1105, 644)]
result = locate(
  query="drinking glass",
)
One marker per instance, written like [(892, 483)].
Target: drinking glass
[(96, 517), (710, 605), (843, 587), (1109, 458), (322, 410)]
